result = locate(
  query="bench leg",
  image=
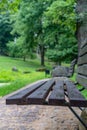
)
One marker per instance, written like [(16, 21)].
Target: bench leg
[(78, 117)]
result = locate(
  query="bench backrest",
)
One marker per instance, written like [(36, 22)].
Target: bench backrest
[(82, 66), (72, 68)]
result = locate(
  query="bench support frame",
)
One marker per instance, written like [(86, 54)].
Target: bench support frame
[(78, 117)]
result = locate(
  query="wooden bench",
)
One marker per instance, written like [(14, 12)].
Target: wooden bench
[(72, 68), (51, 92), (56, 92)]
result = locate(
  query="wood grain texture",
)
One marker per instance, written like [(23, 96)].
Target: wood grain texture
[(51, 92), (75, 97), (82, 80), (82, 70), (57, 96), (83, 50), (39, 96), (83, 45), (82, 60), (19, 97)]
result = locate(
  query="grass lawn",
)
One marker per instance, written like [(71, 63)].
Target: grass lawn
[(18, 79)]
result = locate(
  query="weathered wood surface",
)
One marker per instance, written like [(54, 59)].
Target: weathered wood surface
[(20, 97), (72, 68), (51, 92), (82, 70), (82, 60), (75, 97), (83, 45), (82, 66), (83, 50), (82, 80), (57, 96), (39, 96)]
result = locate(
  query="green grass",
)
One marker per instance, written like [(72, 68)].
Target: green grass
[(21, 81), (6, 63), (18, 79)]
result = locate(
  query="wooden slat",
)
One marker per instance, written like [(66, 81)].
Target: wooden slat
[(39, 96), (82, 60), (83, 45), (83, 50), (82, 70), (57, 96), (75, 97), (82, 80), (19, 96)]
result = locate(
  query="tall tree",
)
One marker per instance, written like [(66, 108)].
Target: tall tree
[(61, 18), (47, 24), (29, 24)]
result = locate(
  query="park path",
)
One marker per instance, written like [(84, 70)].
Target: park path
[(32, 117)]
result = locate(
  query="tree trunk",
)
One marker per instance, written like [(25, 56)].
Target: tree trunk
[(24, 58), (58, 63), (42, 53)]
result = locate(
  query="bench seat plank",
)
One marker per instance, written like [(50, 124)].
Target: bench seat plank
[(82, 80), (39, 96), (83, 50), (82, 70), (82, 60), (75, 97), (57, 96), (49, 92), (19, 96)]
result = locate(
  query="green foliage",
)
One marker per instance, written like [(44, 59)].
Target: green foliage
[(60, 25), (17, 50), (5, 29), (47, 24), (55, 55), (29, 25), (13, 49), (9, 6)]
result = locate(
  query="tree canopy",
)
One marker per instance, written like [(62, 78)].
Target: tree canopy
[(49, 25), (9, 5)]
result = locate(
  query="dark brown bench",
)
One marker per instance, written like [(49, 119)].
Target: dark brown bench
[(51, 92), (57, 92)]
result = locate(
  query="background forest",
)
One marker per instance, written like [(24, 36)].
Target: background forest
[(34, 35), (38, 28)]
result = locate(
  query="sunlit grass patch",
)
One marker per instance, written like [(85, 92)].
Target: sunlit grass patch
[(21, 81)]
